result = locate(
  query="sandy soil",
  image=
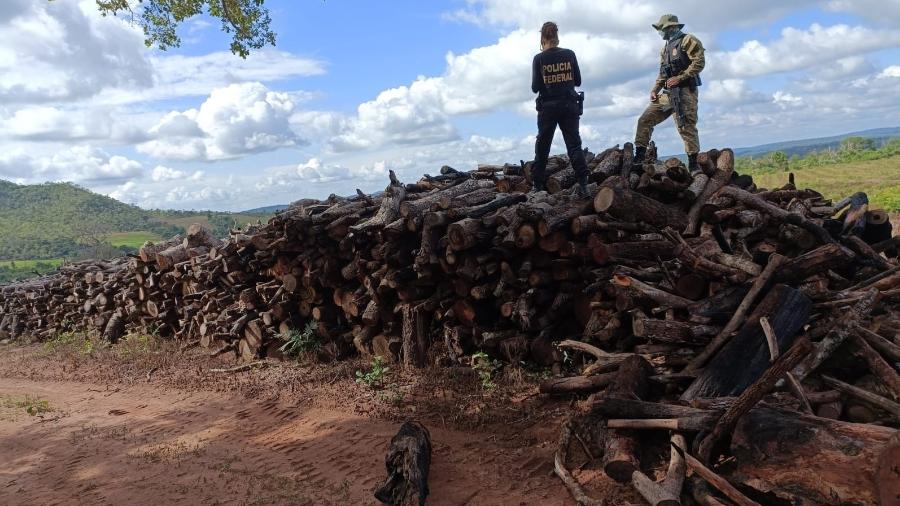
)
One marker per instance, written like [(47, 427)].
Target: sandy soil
[(142, 445), (187, 436)]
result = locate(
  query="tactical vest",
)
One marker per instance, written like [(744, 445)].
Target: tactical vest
[(676, 60)]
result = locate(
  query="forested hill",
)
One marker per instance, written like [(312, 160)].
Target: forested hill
[(55, 219)]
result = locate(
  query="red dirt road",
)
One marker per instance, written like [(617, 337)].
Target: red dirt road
[(146, 445)]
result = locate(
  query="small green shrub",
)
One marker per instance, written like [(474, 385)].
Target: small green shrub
[(486, 369), (134, 345), (297, 342), (375, 377), (75, 341), (34, 406)]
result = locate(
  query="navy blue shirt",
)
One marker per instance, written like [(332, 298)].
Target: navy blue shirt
[(555, 74)]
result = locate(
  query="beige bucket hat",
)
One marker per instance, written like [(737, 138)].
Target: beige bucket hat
[(668, 20)]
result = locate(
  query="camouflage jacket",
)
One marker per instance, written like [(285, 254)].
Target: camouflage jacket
[(695, 52)]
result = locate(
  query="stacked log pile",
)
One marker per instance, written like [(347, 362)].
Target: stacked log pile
[(687, 297)]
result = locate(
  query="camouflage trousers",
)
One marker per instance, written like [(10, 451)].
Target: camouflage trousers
[(659, 111)]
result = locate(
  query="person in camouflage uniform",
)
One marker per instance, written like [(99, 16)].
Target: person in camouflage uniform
[(681, 61)]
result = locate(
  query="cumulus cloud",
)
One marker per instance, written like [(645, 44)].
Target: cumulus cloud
[(892, 71), (162, 173), (316, 171), (404, 115), (54, 124), (233, 121), (130, 193), (800, 49), (78, 163), (484, 80), (611, 16), (730, 91), (183, 196), (184, 76), (63, 51), (785, 99), (876, 10), (69, 74), (66, 51)]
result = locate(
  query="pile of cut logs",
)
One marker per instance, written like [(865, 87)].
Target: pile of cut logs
[(686, 298)]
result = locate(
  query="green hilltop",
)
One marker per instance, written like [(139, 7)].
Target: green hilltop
[(56, 221)]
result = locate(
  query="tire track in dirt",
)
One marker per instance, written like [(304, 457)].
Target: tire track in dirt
[(148, 446)]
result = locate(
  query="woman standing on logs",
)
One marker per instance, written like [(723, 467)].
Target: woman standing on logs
[(554, 76)]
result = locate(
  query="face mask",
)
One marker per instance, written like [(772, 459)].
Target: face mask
[(662, 33)]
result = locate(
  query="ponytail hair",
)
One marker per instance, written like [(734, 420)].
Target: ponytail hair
[(549, 34)]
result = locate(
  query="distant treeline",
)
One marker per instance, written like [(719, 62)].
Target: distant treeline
[(56, 220), (219, 223), (852, 149), (13, 271)]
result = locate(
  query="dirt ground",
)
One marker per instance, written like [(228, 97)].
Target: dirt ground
[(145, 423)]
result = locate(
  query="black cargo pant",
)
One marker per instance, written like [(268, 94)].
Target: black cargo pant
[(565, 114)]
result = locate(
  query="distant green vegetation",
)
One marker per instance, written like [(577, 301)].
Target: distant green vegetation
[(858, 165), (55, 220), (132, 239), (11, 270), (219, 223), (63, 220), (31, 264)]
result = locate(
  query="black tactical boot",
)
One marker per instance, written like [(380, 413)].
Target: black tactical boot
[(692, 163), (640, 153), (537, 186), (581, 188)]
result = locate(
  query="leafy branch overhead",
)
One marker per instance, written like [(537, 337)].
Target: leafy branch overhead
[(246, 20)]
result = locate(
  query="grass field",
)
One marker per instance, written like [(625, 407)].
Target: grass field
[(880, 179), (30, 264), (11, 270), (132, 239)]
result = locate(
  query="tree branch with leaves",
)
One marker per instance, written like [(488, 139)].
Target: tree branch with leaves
[(247, 21)]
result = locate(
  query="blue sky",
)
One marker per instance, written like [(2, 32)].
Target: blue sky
[(356, 88)]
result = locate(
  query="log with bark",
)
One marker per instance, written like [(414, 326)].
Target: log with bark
[(408, 463), (432, 271)]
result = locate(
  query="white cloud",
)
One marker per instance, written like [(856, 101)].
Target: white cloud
[(846, 68), (220, 194), (69, 74), (233, 121), (800, 49), (130, 193), (315, 171), (785, 100), (53, 123), (65, 51), (483, 80), (78, 163), (183, 76), (613, 16), (892, 71), (183, 197), (877, 10), (729, 91), (162, 173), (405, 115)]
